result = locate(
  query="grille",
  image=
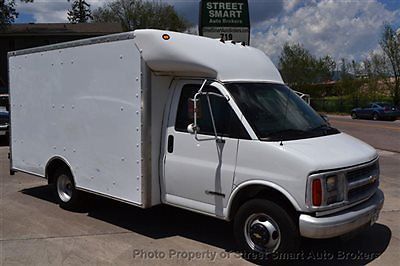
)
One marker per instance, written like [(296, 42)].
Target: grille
[(361, 173), (362, 182), (362, 192)]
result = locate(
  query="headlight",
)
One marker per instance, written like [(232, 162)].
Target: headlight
[(325, 190), (331, 183)]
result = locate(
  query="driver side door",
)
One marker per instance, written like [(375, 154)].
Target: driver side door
[(199, 174)]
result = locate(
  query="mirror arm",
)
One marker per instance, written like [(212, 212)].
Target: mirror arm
[(195, 108), (195, 127), (215, 94), (212, 117)]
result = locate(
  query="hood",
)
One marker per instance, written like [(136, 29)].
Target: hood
[(287, 166), (331, 152)]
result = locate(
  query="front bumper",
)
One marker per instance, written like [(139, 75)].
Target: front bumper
[(343, 222)]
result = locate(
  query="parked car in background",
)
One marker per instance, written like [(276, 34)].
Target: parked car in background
[(376, 111), (4, 121)]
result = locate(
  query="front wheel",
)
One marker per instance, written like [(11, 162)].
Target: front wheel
[(262, 227), (375, 117), (353, 115), (65, 191)]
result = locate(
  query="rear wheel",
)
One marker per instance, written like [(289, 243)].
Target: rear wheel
[(353, 115), (262, 228), (375, 117), (66, 193)]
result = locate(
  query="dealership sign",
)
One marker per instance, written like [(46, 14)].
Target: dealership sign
[(227, 20)]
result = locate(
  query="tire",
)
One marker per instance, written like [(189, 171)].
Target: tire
[(65, 191), (375, 117), (262, 228), (354, 115)]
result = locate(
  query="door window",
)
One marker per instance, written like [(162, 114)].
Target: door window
[(226, 121)]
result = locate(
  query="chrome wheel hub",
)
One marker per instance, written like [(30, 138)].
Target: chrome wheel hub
[(262, 233), (64, 188)]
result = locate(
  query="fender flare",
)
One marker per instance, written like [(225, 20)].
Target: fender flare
[(61, 158), (264, 183)]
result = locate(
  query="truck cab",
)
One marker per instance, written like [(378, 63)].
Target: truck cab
[(257, 154)]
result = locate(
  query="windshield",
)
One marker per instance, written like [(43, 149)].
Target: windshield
[(275, 112)]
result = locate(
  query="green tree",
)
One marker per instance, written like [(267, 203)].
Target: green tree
[(80, 12), (299, 67), (325, 67), (138, 14), (390, 44), (378, 71), (348, 84), (8, 13)]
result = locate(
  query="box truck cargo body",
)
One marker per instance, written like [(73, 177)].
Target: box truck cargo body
[(155, 117)]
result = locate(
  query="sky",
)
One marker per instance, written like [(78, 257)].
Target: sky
[(341, 28)]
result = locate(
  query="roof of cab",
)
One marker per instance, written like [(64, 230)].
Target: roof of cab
[(194, 55)]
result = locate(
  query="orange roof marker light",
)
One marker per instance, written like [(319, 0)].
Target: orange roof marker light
[(166, 37)]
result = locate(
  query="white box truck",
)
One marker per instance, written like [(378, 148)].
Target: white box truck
[(155, 117)]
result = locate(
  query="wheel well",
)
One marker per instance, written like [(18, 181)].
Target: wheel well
[(262, 192), (53, 166)]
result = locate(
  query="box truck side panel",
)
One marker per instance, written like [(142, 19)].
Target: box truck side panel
[(82, 104)]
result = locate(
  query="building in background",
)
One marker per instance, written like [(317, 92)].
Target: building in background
[(24, 36)]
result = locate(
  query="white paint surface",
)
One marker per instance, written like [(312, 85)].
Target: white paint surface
[(81, 104)]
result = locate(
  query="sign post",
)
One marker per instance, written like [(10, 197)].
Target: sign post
[(225, 19)]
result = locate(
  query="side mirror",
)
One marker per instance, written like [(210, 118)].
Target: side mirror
[(191, 129)]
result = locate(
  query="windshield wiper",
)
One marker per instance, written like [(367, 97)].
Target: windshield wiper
[(323, 126), (285, 133), (326, 129)]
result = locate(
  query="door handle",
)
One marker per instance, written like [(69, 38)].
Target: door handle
[(170, 147)]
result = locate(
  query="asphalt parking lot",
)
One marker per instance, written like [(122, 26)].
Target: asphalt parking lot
[(35, 231), (383, 135)]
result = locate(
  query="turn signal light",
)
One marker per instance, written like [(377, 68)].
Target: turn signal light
[(316, 192)]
